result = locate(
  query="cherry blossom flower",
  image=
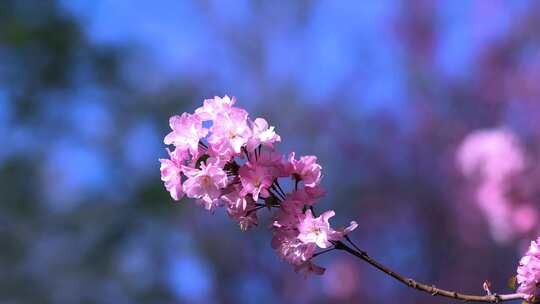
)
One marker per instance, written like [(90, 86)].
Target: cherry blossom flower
[(262, 134), (317, 229), (306, 169), (308, 195), (297, 234), (275, 162), (230, 132), (528, 272), (187, 130), (205, 184), (256, 180), (212, 107), (291, 249), (241, 209), (288, 216), (233, 198), (171, 173)]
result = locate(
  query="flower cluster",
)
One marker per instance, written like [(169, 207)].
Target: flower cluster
[(528, 272), (222, 158)]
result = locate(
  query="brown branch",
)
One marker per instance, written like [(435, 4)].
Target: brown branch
[(494, 298)]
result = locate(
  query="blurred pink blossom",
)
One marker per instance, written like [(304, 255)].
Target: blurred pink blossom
[(494, 154), (525, 218), (493, 158), (341, 280)]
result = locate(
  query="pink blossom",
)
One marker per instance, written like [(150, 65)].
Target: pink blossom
[(291, 249), (212, 107), (275, 162), (233, 198), (186, 132), (230, 132), (241, 209), (205, 184), (308, 195), (306, 169), (295, 240), (493, 202), (528, 272), (262, 134), (288, 216), (285, 240), (317, 230), (525, 218), (492, 158), (296, 235), (494, 154), (170, 173), (256, 179)]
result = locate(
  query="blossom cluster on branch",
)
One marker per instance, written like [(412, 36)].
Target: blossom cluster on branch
[(223, 158)]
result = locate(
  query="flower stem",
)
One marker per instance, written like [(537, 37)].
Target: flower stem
[(279, 187), (494, 298), (281, 195), (203, 145), (246, 153), (278, 198), (255, 209)]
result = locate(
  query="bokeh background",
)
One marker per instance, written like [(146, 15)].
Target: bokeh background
[(424, 115)]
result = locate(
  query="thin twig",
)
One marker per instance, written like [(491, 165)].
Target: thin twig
[(324, 251), (254, 209), (246, 153), (203, 145), (274, 195), (494, 298), (279, 187), (282, 196), (352, 243)]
